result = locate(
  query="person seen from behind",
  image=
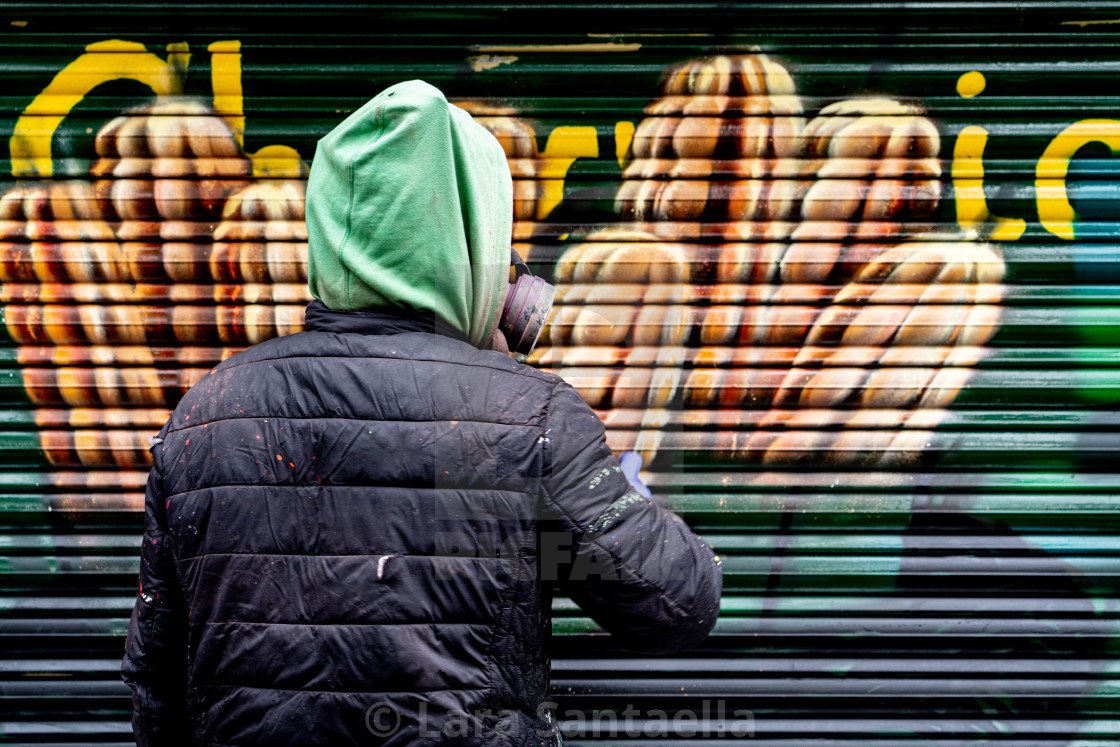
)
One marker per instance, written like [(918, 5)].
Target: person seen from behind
[(352, 533)]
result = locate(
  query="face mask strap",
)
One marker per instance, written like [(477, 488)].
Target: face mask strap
[(518, 264)]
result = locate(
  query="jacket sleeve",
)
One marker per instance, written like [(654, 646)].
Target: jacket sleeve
[(634, 566), (155, 659)]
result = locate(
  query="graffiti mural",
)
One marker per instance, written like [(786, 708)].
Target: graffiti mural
[(779, 279), (805, 303), (772, 293), (127, 281)]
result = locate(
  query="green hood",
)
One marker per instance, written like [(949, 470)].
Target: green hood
[(409, 206)]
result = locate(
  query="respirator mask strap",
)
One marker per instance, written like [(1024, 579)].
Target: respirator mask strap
[(518, 265)]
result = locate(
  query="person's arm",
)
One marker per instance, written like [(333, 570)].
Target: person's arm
[(634, 566), (155, 658)]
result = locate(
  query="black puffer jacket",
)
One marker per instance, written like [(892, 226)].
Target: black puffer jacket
[(362, 522)]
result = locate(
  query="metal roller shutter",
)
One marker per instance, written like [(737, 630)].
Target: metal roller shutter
[(846, 274)]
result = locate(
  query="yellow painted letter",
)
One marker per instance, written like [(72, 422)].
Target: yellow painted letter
[(565, 145), (1054, 209), (968, 183), (103, 61), (280, 161)]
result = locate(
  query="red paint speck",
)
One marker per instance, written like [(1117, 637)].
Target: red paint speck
[(188, 443), (279, 458)]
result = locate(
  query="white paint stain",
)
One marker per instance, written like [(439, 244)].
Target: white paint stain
[(381, 564)]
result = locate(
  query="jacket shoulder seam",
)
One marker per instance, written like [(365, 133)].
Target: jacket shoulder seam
[(202, 424), (528, 374), (265, 486)]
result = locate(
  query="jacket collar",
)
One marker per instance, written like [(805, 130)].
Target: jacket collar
[(319, 318)]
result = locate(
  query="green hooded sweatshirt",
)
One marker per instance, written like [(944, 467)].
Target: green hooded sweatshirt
[(410, 206)]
